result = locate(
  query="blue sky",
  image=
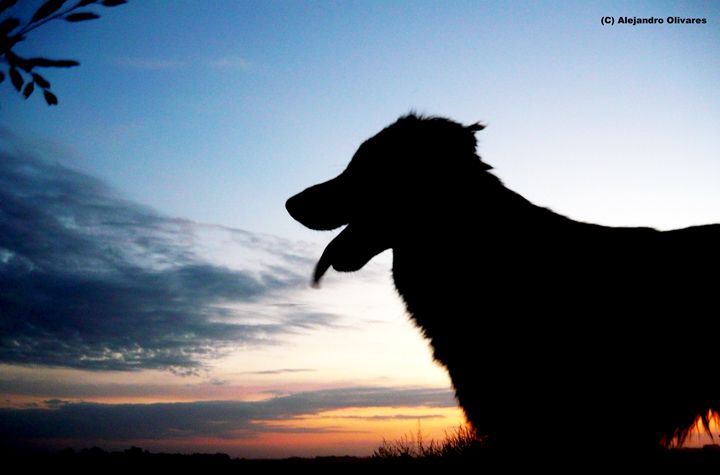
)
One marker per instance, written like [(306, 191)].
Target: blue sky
[(195, 120), (218, 111)]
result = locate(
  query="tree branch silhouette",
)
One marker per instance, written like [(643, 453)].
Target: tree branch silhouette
[(21, 70)]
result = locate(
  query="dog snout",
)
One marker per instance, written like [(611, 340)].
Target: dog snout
[(294, 206), (321, 207)]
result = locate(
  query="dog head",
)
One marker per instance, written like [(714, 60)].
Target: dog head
[(403, 173)]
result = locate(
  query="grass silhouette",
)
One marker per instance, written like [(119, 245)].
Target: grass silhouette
[(461, 441), (463, 447)]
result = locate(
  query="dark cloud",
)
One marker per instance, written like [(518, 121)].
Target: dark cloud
[(224, 419), (393, 417), (54, 403), (90, 280), (281, 371)]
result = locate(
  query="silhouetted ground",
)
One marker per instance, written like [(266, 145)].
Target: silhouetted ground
[(135, 460)]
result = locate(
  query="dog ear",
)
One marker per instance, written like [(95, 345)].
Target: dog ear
[(476, 127)]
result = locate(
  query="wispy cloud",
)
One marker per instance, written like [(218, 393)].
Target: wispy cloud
[(90, 280), (392, 417), (151, 64), (231, 63), (223, 63), (221, 419), (281, 371)]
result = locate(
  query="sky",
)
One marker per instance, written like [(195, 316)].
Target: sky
[(154, 291)]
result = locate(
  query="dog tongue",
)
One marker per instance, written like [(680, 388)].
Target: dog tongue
[(334, 252), (319, 272), (349, 251), (321, 267)]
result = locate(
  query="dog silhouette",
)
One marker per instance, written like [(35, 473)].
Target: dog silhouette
[(555, 333)]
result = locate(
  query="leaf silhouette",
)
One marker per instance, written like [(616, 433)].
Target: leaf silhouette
[(6, 43), (47, 9), (8, 25), (5, 4), (82, 16), (16, 79), (29, 88), (52, 63), (41, 81), (13, 31), (16, 61), (50, 98)]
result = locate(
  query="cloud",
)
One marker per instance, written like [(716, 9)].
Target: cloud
[(393, 417), (281, 371), (90, 280), (224, 63), (221, 419), (151, 64), (231, 63)]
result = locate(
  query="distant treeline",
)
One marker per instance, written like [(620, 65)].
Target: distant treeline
[(136, 460)]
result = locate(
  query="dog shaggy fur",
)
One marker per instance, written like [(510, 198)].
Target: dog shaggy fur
[(554, 332)]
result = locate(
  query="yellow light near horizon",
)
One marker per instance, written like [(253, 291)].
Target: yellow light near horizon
[(365, 427), (388, 420)]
